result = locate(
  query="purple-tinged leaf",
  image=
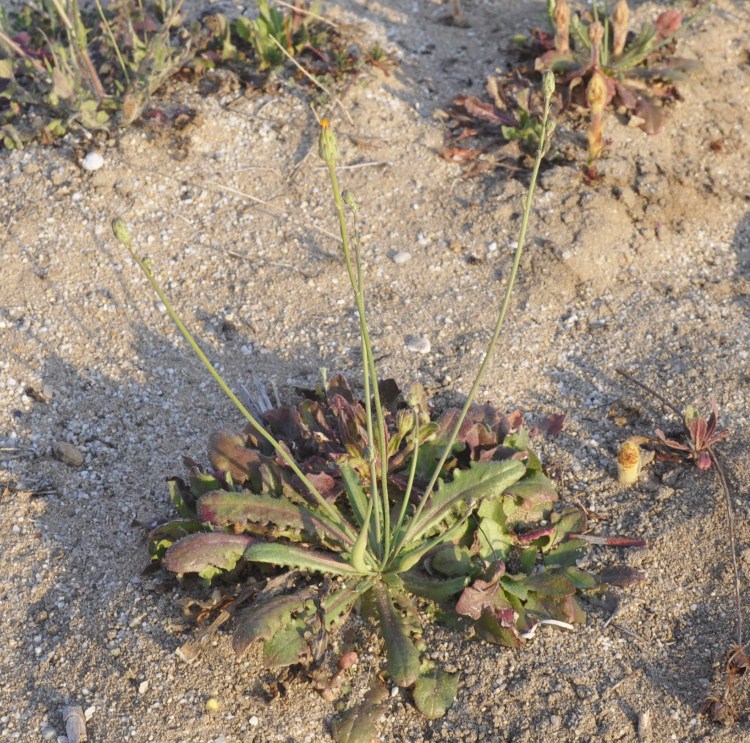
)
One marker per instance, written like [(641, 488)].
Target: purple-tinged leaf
[(551, 583), (668, 23), (263, 620), (614, 541), (205, 550), (551, 425), (652, 115), (239, 510), (359, 724), (532, 536), (621, 575)]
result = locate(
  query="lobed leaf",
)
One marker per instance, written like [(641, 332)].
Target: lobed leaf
[(402, 656), (481, 481), (263, 620), (222, 508), (206, 553)]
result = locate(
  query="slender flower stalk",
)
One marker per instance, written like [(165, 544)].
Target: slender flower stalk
[(544, 142), (123, 236), (328, 150)]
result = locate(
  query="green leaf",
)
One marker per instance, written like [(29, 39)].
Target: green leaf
[(566, 553), (529, 499), (205, 552), (494, 540), (483, 480), (354, 492), (581, 579), (263, 620), (435, 692), (181, 498), (402, 657), (284, 555), (286, 647), (551, 583), (451, 560), (435, 589), (337, 605), (359, 724), (410, 559), (6, 69)]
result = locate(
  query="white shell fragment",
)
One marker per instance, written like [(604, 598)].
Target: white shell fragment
[(401, 257), (93, 161), (75, 723), (67, 453), (418, 344)]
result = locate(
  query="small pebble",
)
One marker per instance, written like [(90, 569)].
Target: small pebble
[(67, 453), (143, 687), (254, 721), (401, 257), (419, 344), (93, 161)]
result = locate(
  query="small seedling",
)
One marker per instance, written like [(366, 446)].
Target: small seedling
[(597, 50), (696, 446), (598, 62), (69, 68)]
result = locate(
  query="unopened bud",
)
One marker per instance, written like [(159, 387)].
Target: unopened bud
[(349, 200), (561, 16), (596, 34), (121, 231), (620, 16), (327, 148), (548, 84), (404, 422), (596, 93)]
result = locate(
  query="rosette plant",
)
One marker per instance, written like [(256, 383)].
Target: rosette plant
[(388, 503)]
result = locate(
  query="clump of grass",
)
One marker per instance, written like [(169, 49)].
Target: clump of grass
[(385, 501), (67, 68)]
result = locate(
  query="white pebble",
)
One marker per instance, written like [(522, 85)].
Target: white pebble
[(419, 344), (143, 687), (401, 257), (254, 721), (92, 161)]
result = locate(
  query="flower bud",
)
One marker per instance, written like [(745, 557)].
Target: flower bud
[(596, 93), (596, 34), (349, 200), (548, 84), (327, 148), (121, 231), (562, 26), (620, 16)]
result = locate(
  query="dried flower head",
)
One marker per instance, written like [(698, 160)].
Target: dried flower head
[(562, 26), (620, 18)]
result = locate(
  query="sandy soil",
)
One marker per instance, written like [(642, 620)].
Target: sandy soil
[(647, 269)]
